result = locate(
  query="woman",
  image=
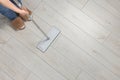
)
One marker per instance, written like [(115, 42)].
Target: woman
[(16, 15)]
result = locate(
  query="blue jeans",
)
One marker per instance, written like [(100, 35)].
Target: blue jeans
[(11, 15)]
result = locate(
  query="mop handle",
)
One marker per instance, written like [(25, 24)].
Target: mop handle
[(20, 5), (40, 29)]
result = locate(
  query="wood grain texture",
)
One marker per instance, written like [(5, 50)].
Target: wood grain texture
[(33, 77), (78, 3), (84, 41), (55, 59), (4, 76), (85, 76), (113, 42), (102, 16), (31, 61), (79, 19), (87, 49), (12, 67)]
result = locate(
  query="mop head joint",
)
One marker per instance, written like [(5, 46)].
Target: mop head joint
[(52, 35)]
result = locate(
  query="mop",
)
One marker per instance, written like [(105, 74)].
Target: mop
[(48, 39)]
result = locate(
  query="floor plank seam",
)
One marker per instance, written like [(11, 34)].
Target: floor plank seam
[(41, 59), (106, 9), (82, 30), (8, 75), (85, 33), (16, 59), (94, 58), (83, 13), (21, 64), (77, 25)]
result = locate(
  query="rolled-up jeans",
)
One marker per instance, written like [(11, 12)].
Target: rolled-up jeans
[(10, 14)]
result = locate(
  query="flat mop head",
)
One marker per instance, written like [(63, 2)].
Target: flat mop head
[(52, 35)]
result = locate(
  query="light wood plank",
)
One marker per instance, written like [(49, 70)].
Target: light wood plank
[(86, 67), (102, 16), (33, 77), (115, 4), (83, 40), (4, 76), (113, 42), (4, 37), (61, 47), (81, 59), (75, 48), (31, 61), (109, 5), (79, 19), (77, 3), (55, 59), (85, 76), (13, 68), (2, 20)]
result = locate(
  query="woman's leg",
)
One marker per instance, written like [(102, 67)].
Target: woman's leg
[(11, 15), (16, 21)]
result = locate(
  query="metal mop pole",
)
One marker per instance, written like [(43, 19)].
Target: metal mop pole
[(31, 17), (47, 38)]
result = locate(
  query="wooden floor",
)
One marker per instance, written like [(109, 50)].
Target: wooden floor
[(88, 47)]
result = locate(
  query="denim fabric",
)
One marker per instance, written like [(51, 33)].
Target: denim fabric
[(11, 15)]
